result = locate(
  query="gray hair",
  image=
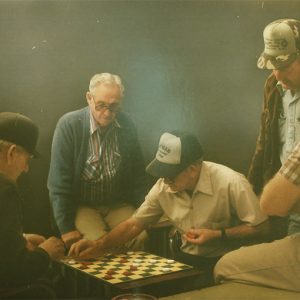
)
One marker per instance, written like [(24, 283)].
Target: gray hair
[(106, 78)]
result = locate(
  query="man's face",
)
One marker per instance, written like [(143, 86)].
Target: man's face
[(20, 162), (289, 76), (183, 181), (104, 103)]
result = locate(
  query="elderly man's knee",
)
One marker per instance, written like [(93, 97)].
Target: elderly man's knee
[(225, 266)]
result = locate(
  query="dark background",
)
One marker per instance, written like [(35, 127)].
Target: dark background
[(187, 65)]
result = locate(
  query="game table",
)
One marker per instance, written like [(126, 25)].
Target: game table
[(131, 272)]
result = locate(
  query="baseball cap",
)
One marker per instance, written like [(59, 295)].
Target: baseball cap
[(282, 44), (20, 130), (176, 151)]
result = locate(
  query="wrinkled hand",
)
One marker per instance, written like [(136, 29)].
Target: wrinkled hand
[(71, 237), (33, 240), (54, 247), (86, 249), (201, 236)]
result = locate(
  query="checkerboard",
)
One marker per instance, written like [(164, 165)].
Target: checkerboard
[(129, 266)]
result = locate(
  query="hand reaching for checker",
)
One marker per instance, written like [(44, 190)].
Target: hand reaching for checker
[(85, 249), (201, 236)]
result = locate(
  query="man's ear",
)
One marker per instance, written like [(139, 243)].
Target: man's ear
[(88, 96), (10, 153)]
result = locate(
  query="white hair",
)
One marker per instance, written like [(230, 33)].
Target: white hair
[(106, 78)]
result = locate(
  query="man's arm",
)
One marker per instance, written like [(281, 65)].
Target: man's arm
[(60, 179), (121, 234), (258, 163), (280, 197), (243, 231)]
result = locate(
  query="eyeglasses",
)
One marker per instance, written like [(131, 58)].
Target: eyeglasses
[(101, 106)]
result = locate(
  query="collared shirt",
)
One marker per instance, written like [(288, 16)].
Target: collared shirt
[(289, 122), (291, 168), (222, 198), (102, 163)]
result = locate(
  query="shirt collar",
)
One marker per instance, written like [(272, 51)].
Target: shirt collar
[(283, 91), (94, 126), (280, 88), (204, 184)]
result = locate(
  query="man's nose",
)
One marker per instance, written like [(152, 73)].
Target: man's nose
[(278, 74)]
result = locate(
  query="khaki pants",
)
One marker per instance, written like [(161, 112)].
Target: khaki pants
[(94, 222), (275, 264)]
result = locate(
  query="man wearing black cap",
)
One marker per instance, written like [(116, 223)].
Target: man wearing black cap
[(280, 122), (23, 257), (211, 205)]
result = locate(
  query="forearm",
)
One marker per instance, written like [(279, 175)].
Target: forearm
[(246, 231), (121, 234)]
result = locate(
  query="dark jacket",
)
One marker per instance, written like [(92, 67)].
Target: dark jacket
[(68, 156), (266, 160), (17, 264)]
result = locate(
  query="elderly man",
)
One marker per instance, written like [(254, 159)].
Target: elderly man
[(97, 175), (24, 258), (275, 264), (280, 122), (211, 205)]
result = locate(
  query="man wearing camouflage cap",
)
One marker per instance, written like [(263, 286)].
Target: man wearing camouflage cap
[(280, 122), (274, 264)]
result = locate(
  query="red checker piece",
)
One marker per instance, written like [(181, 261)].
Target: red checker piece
[(127, 273), (82, 267), (108, 276), (111, 271), (133, 267)]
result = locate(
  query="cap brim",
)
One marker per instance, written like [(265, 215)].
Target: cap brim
[(161, 170), (36, 154), (268, 62)]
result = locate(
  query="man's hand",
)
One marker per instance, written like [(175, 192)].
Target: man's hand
[(86, 249), (54, 247), (71, 237), (201, 236), (33, 240)]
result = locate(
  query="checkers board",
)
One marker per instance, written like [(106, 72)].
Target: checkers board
[(125, 267)]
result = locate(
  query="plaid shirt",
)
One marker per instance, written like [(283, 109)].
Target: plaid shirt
[(102, 163), (291, 168)]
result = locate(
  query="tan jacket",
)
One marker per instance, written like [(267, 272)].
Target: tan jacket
[(266, 160)]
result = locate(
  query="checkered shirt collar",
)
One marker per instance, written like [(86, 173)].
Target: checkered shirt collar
[(94, 126)]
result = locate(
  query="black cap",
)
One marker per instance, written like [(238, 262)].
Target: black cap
[(176, 151), (20, 130)]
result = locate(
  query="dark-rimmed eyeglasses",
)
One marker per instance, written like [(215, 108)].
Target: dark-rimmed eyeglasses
[(102, 106)]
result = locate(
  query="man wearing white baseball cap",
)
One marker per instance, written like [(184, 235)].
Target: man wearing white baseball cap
[(212, 206), (280, 122)]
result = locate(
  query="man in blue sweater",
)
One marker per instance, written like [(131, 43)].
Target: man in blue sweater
[(97, 171)]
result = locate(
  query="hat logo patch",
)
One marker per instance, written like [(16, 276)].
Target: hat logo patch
[(276, 44), (163, 151)]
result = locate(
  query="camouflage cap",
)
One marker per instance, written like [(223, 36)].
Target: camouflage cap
[(282, 44)]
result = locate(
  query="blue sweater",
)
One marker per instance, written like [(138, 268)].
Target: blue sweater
[(68, 156)]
